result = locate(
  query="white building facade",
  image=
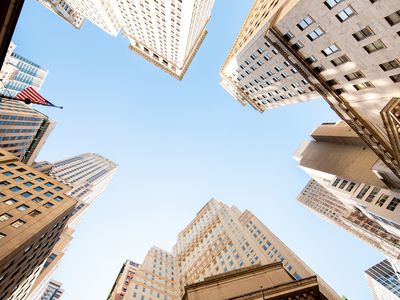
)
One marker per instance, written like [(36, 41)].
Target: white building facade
[(167, 33)]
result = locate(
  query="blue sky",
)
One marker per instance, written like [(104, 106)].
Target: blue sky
[(177, 145)]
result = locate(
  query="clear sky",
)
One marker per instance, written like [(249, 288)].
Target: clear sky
[(177, 145)]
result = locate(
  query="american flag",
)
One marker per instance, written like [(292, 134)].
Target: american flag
[(29, 95)]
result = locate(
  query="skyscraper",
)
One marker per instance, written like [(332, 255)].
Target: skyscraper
[(383, 281), (34, 210), (353, 173), (347, 53), (53, 291), (27, 74), (64, 11), (219, 239), (123, 280), (166, 33), (23, 130), (87, 175)]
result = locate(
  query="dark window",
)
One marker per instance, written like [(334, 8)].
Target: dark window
[(363, 33)]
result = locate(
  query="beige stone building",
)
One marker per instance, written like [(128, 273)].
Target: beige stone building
[(123, 280), (167, 33), (342, 163), (87, 175), (218, 240), (343, 51), (34, 210), (257, 282)]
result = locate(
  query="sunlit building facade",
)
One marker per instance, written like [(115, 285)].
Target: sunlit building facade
[(34, 211), (87, 175), (166, 33), (220, 239), (343, 51), (23, 130), (383, 281), (124, 278), (22, 73)]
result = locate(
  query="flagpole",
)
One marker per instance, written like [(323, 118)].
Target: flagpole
[(26, 100)]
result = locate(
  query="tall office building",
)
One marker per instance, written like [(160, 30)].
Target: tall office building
[(383, 281), (353, 173), (88, 176), (219, 239), (53, 291), (7, 71), (64, 11), (351, 218), (166, 33), (34, 210), (121, 284), (22, 73), (343, 51), (23, 130)]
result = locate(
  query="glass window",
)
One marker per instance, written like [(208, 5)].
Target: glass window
[(395, 78), (390, 65), (354, 75), (5, 217), (393, 204), (48, 184), (330, 50), (372, 195), (336, 182), (363, 33), (350, 187), (15, 189), (26, 194), (18, 223), (28, 183), (393, 18), (34, 213), (7, 173), (382, 199), (10, 201), (340, 60), (363, 191), (18, 178), (332, 3), (363, 85), (343, 184), (375, 46), (346, 13), (307, 21), (48, 204), (22, 207), (39, 179), (313, 35), (38, 188), (37, 199), (48, 194), (58, 198)]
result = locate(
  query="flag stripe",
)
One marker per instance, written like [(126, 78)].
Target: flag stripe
[(34, 96)]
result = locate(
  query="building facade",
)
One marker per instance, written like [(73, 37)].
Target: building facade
[(23, 73), (257, 282), (34, 210), (64, 11), (343, 51), (87, 176), (53, 291), (353, 174), (123, 280), (23, 130), (383, 281), (218, 240), (166, 33)]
